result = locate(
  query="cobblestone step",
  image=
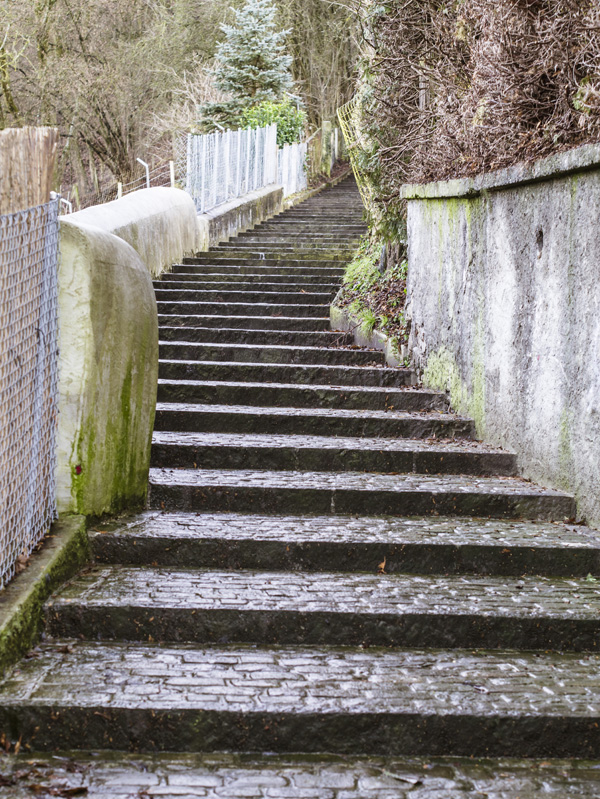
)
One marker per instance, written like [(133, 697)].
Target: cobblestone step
[(262, 310), (323, 338), (300, 396), (108, 775), (262, 491), (319, 453), (287, 699), (426, 545), (308, 608), (243, 284), (251, 297), (264, 353), (373, 430), (217, 321), (204, 262), (284, 373)]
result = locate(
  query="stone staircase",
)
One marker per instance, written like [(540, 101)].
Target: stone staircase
[(331, 563)]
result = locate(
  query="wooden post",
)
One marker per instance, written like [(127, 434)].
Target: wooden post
[(27, 160)]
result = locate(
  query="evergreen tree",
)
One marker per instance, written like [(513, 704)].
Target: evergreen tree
[(251, 63)]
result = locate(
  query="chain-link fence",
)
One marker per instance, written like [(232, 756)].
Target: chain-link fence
[(28, 381), (292, 168), (217, 167)]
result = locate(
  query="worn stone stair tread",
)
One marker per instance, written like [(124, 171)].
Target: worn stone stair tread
[(312, 412), (381, 375), (268, 353), (249, 295), (350, 492), (319, 338), (262, 309), (271, 440), (107, 775), (204, 605), (287, 450), (430, 545), (390, 397), (115, 695), (218, 321)]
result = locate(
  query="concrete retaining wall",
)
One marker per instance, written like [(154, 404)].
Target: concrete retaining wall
[(503, 293)]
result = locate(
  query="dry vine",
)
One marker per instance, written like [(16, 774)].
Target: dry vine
[(463, 87)]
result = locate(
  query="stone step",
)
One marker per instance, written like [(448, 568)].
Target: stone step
[(95, 696), (429, 545), (258, 272), (300, 396), (324, 338), (282, 266), (252, 254), (298, 227), (279, 249), (217, 322), (284, 373), (279, 353), (175, 448), (233, 295), (112, 775), (280, 420), (242, 283), (258, 309), (327, 608), (262, 491)]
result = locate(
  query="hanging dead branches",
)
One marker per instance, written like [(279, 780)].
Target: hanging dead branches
[(464, 87)]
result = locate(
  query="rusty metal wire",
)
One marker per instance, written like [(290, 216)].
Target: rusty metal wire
[(28, 381)]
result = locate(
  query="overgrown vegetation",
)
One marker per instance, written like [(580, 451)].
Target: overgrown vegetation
[(290, 120), (458, 87), (374, 293)]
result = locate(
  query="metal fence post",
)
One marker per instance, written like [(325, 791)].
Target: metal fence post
[(215, 170)]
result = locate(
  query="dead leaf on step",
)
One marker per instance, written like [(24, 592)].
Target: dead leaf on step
[(22, 563), (381, 567)]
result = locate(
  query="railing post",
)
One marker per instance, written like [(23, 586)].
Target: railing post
[(238, 174), (255, 176), (227, 156), (247, 185), (215, 170), (203, 174)]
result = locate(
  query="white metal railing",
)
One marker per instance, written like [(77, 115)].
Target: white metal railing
[(222, 166)]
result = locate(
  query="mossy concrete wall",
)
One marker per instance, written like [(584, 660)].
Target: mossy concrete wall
[(504, 298), (108, 372)]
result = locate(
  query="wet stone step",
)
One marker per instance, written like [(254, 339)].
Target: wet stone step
[(371, 430), (430, 545), (313, 396), (223, 776), (72, 694), (250, 353), (259, 309), (284, 373), (182, 332), (253, 297), (328, 608), (204, 261), (262, 491), (192, 282), (323, 454), (218, 321)]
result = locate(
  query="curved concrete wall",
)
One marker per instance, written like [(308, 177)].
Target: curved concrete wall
[(503, 295), (108, 372), (161, 224)]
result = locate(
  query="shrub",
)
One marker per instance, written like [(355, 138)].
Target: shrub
[(290, 120)]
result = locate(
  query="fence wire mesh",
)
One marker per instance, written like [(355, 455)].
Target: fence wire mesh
[(28, 381), (217, 167), (292, 171)]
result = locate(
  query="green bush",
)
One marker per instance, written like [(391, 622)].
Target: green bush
[(289, 119)]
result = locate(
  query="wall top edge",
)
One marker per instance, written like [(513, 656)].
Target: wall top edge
[(579, 159)]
